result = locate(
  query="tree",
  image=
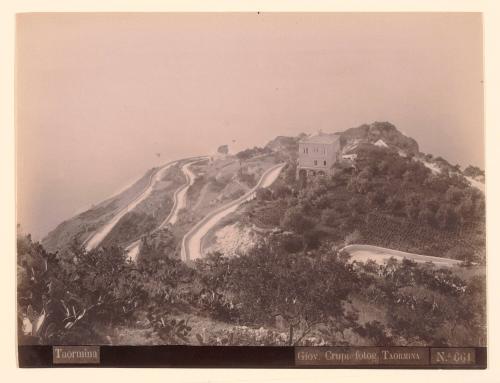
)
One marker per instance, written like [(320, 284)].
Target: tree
[(215, 271), (376, 198), (305, 291), (67, 297), (375, 331), (223, 149), (292, 243), (357, 205), (157, 245), (338, 325), (329, 217), (426, 215), (362, 182), (412, 206), (473, 171), (396, 205), (295, 219), (246, 177), (417, 315), (312, 238), (281, 191), (447, 217), (454, 195)]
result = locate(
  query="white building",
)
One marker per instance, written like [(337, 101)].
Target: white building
[(318, 154)]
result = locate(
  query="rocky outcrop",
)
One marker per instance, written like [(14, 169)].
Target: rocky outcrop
[(376, 131)]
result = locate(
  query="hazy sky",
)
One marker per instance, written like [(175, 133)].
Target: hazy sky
[(98, 95)]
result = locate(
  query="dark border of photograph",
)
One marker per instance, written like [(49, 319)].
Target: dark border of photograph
[(254, 357)]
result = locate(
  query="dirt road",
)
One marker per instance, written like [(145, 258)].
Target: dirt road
[(191, 243)]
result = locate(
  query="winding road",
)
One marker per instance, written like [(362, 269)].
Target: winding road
[(191, 242), (179, 203), (180, 194), (380, 255), (94, 240)]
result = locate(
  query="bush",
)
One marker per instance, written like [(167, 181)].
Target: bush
[(376, 332), (292, 243), (281, 191), (312, 238), (329, 217), (473, 171), (217, 184), (247, 178), (270, 282), (264, 194), (72, 296), (294, 219)]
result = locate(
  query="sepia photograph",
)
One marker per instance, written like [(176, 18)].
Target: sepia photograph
[(309, 184)]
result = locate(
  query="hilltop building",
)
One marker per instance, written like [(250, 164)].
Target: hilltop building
[(318, 154)]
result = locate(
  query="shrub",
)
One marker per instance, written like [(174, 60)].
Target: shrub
[(292, 243), (270, 282), (294, 219), (312, 238), (281, 191), (264, 194)]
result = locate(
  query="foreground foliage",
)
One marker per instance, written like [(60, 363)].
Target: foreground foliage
[(267, 297)]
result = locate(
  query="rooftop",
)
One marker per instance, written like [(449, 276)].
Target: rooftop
[(321, 139)]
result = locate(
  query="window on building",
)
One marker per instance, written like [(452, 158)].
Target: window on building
[(315, 162), (324, 163)]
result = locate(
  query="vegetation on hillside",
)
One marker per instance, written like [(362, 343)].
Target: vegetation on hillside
[(383, 199), (267, 297), (296, 286), (384, 131)]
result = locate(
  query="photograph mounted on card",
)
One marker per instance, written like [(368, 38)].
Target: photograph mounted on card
[(251, 189)]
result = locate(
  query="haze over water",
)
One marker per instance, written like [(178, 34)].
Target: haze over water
[(101, 98)]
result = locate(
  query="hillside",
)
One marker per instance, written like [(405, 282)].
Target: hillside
[(391, 195), (277, 268), (216, 181), (81, 226), (384, 131)]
